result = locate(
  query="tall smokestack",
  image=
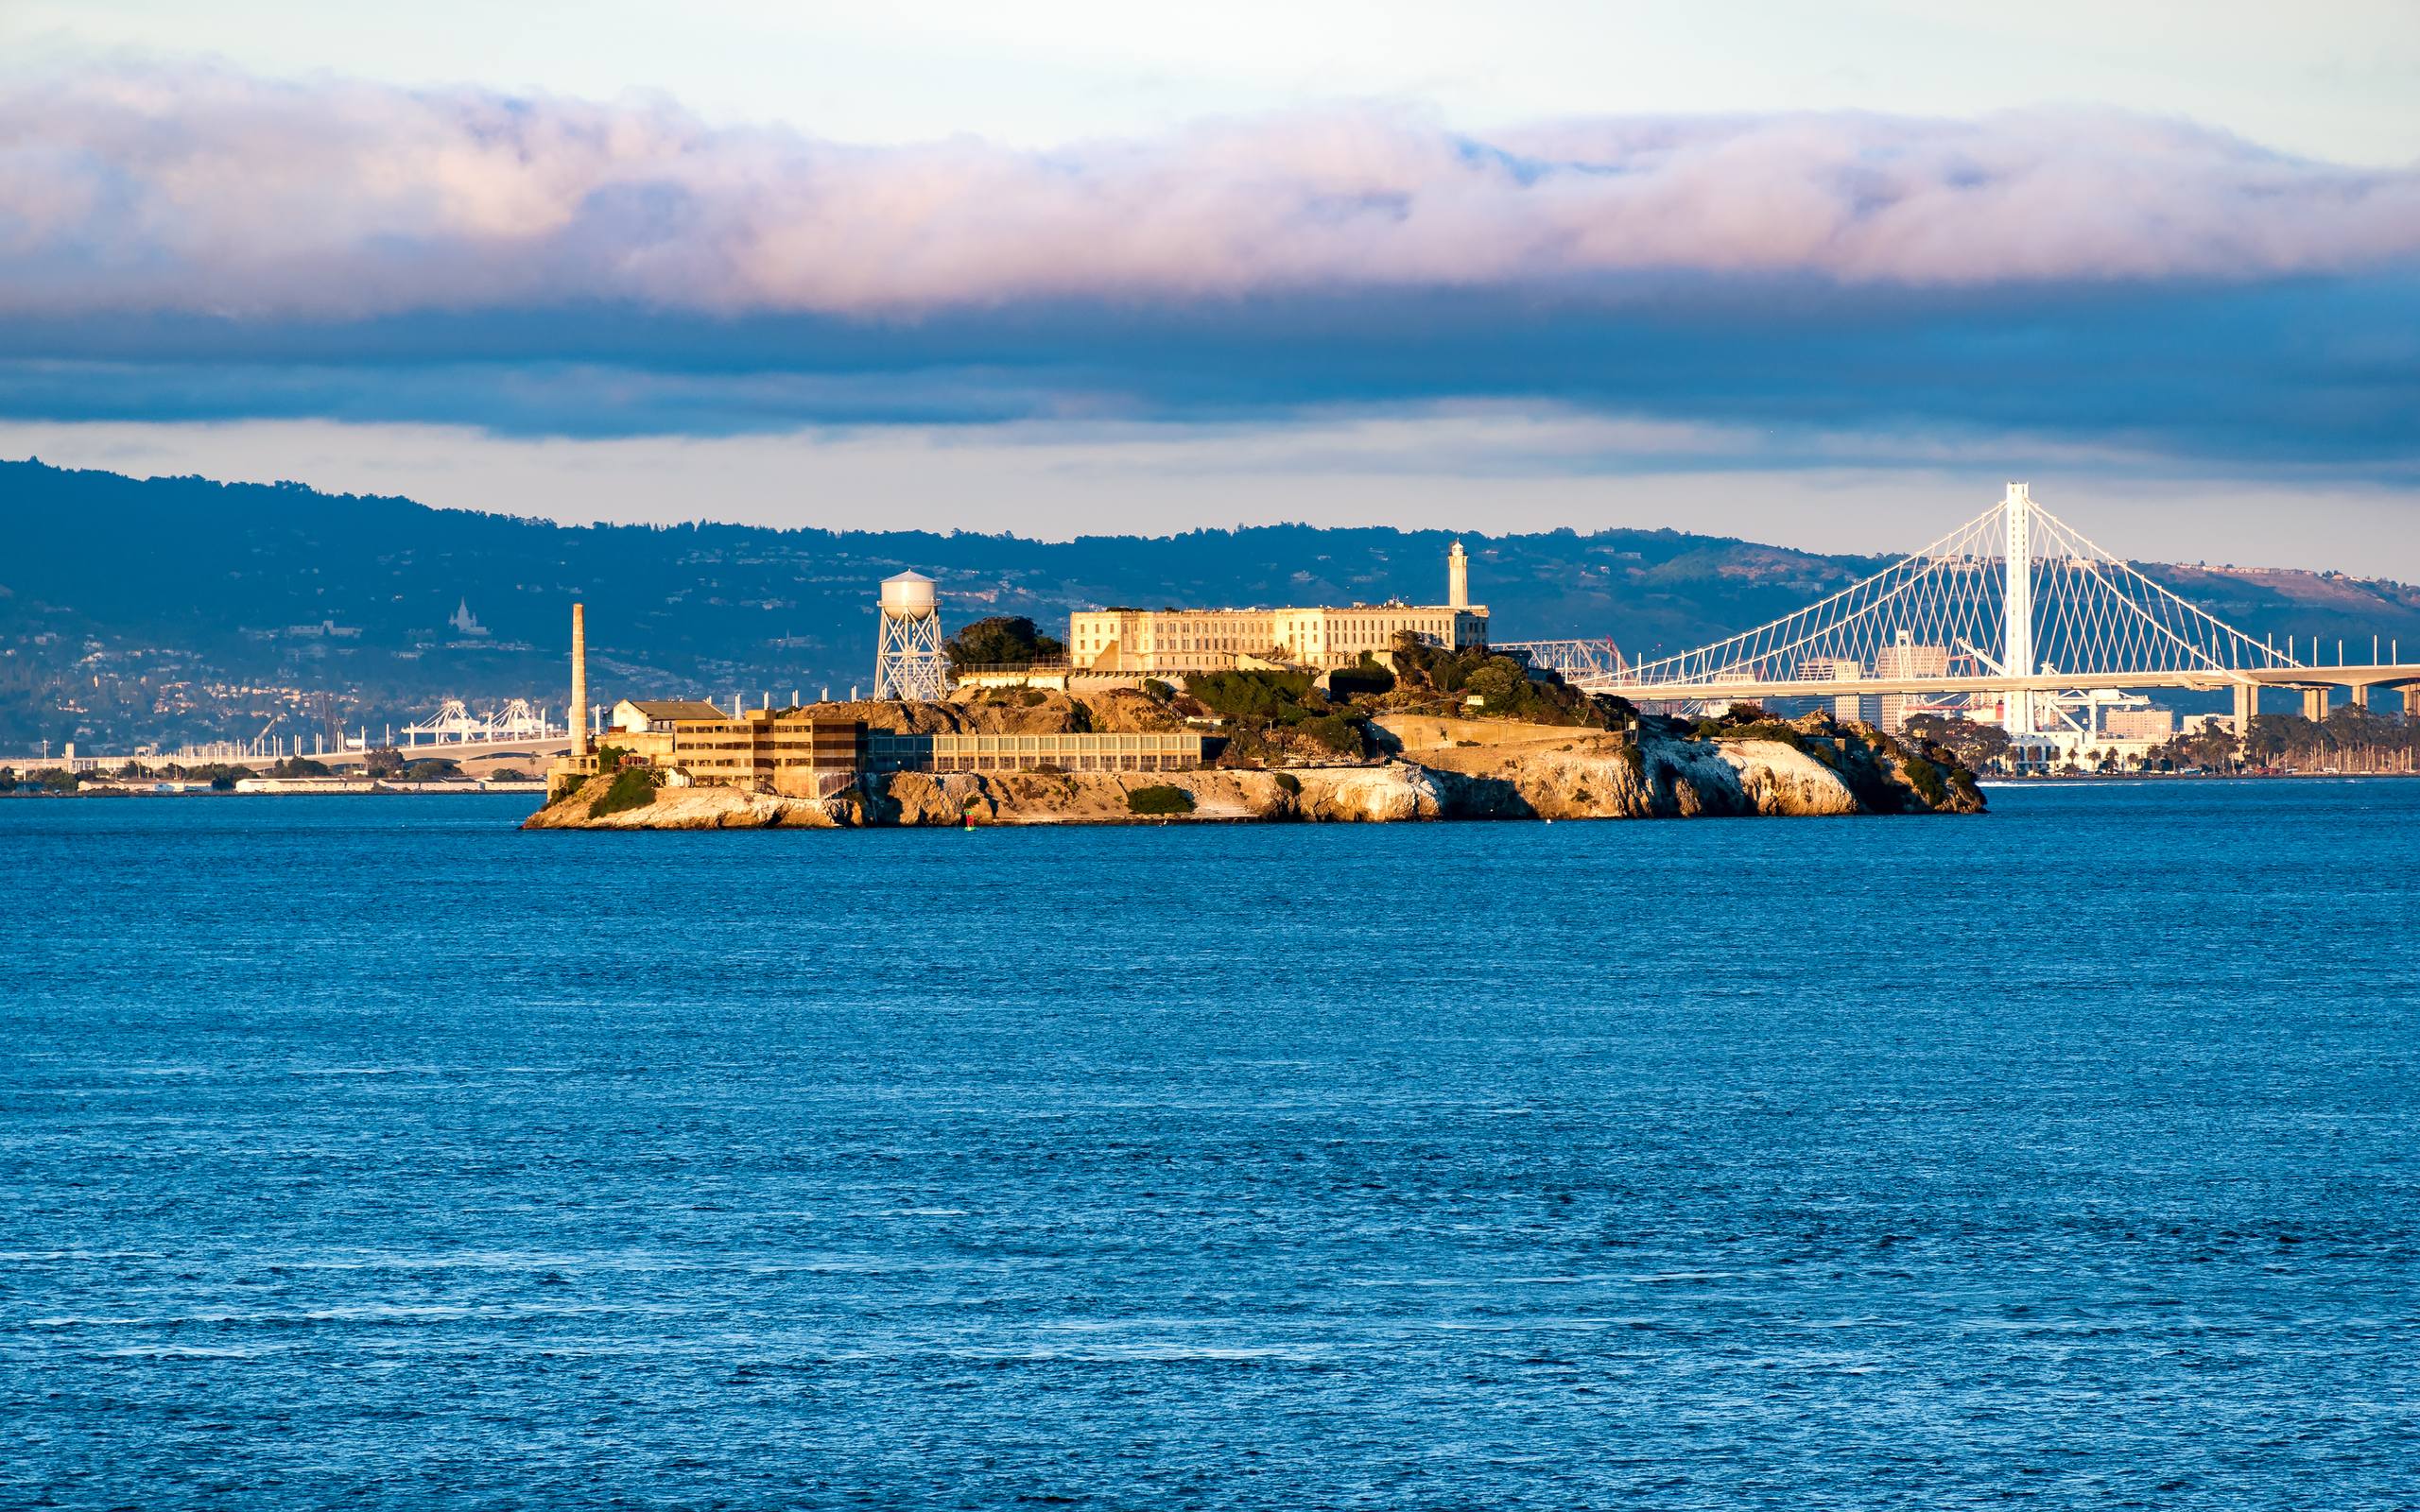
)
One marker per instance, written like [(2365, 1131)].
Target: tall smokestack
[(579, 681)]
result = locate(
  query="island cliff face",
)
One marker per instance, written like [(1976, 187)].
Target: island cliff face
[(1432, 769)]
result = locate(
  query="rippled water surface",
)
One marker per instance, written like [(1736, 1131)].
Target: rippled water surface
[(367, 1152)]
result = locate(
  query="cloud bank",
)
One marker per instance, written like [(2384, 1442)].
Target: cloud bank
[(182, 244), (216, 194)]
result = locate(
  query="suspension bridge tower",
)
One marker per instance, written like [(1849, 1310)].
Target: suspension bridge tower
[(2016, 638), (908, 660)]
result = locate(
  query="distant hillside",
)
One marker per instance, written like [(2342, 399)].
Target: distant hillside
[(125, 603)]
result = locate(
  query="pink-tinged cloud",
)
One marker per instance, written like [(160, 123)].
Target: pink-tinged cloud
[(215, 193)]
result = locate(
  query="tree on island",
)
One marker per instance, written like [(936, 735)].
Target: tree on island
[(1003, 640), (1976, 743), (1159, 798), (1504, 686)]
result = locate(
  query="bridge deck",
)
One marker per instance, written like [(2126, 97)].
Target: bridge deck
[(2369, 676)]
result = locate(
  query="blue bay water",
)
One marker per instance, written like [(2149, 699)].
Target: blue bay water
[(367, 1152)]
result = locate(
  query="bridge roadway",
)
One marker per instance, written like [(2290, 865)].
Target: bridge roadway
[(2314, 683), (540, 751)]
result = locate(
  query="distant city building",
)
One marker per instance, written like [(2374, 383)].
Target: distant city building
[(1220, 640), (1847, 707), (465, 622), (1904, 658), (2157, 724)]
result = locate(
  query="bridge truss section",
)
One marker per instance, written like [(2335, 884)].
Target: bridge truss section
[(2081, 611)]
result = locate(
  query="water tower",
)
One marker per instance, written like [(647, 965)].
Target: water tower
[(908, 660)]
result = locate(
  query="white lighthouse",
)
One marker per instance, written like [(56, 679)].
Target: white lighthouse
[(908, 660), (1457, 577)]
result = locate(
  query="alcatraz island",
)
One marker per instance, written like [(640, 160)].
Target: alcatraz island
[(1366, 712)]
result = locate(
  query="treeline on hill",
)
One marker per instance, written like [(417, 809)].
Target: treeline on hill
[(2350, 739)]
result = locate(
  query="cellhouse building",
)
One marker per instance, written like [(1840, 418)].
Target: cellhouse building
[(1220, 640)]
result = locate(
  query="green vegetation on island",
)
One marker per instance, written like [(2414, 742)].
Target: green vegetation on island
[(632, 788), (1431, 679), (1001, 641), (1274, 716)]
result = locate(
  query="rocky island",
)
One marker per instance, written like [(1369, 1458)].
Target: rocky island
[(1435, 736)]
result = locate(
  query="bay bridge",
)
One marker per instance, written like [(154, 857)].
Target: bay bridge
[(2016, 615)]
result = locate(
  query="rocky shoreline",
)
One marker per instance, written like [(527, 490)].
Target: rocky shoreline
[(1436, 770)]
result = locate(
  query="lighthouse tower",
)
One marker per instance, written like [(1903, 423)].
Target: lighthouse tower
[(1457, 577)]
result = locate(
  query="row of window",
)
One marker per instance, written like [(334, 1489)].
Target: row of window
[(1011, 762)]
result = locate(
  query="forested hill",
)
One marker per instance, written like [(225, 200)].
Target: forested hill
[(118, 587)]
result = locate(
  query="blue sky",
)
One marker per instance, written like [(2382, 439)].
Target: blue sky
[(1823, 277)]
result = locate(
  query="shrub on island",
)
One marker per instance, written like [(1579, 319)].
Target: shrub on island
[(1365, 678), (634, 787), (1927, 781), (1159, 798), (1253, 697), (1339, 733)]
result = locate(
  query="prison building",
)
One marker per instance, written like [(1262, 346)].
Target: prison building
[(792, 752), (638, 715), (1224, 639), (796, 754), (1131, 751)]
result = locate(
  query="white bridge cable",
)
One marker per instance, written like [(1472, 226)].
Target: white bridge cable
[(2093, 616)]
